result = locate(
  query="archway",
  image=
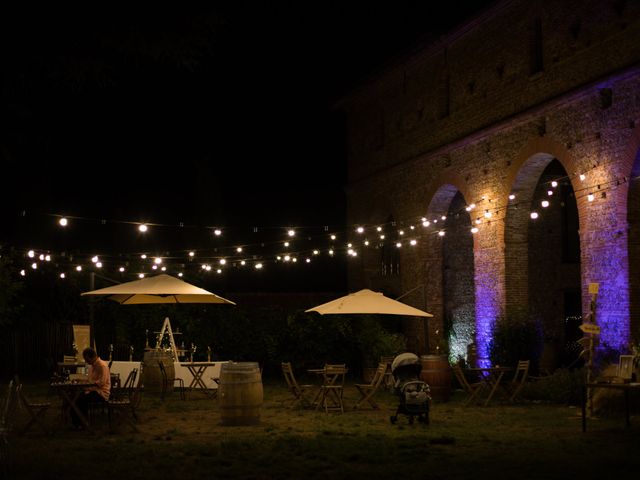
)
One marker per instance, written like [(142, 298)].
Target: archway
[(450, 272), (633, 217), (542, 262)]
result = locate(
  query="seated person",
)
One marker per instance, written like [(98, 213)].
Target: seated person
[(98, 375)]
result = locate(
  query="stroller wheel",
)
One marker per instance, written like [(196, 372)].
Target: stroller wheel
[(393, 419)]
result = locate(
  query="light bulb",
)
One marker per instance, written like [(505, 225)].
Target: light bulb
[(544, 204), (63, 223), (142, 227), (534, 215)]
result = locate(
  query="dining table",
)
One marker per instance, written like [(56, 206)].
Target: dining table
[(198, 379), (490, 377), (70, 392), (625, 387), (329, 375)]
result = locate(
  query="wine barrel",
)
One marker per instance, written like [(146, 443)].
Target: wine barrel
[(151, 375), (436, 371), (240, 393)]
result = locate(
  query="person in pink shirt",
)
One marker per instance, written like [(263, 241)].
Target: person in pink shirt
[(100, 376)]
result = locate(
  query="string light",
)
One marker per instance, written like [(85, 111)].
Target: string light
[(121, 269), (141, 275), (34, 265), (63, 223), (583, 177), (258, 266), (217, 232), (413, 242), (291, 233), (489, 213), (78, 268), (142, 227), (157, 260), (62, 275)]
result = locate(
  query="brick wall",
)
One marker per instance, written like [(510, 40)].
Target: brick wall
[(477, 116)]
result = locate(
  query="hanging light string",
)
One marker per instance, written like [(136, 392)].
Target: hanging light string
[(331, 241)]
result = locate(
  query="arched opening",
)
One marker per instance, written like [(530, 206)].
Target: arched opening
[(633, 217), (458, 279), (542, 264), (450, 274)]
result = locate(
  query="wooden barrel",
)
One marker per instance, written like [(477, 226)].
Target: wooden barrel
[(151, 375), (436, 371), (240, 393)]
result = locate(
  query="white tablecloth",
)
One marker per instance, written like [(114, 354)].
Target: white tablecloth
[(213, 371)]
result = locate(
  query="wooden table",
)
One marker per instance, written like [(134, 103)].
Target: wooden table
[(70, 392), (197, 370), (491, 377), (625, 387), (331, 375)]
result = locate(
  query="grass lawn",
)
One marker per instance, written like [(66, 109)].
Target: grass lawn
[(183, 439)]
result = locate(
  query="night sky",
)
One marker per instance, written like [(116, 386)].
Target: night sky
[(216, 116)]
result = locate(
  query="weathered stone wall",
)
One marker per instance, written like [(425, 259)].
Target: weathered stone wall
[(483, 112)]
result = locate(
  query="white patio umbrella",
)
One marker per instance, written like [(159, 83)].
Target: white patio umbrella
[(159, 289), (367, 302)]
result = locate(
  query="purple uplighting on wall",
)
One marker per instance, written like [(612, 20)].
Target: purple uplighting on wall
[(612, 314), (487, 311)]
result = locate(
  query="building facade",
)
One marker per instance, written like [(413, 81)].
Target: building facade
[(495, 175)]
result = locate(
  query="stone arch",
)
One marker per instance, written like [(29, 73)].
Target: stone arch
[(449, 268), (542, 259), (632, 169)]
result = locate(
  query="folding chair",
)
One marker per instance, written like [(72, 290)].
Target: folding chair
[(368, 390), (123, 400), (36, 411), (388, 376), (519, 378), (471, 388), (297, 390), (7, 413), (165, 382)]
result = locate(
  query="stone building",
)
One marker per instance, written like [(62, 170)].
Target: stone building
[(454, 149)]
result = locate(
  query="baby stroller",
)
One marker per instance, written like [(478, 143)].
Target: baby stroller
[(414, 394)]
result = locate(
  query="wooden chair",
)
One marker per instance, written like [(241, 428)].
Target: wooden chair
[(297, 390), (124, 400), (367, 391), (166, 384), (471, 388), (35, 410), (332, 390), (519, 378), (8, 405), (388, 381)]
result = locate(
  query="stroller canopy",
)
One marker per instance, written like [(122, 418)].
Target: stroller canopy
[(404, 360)]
